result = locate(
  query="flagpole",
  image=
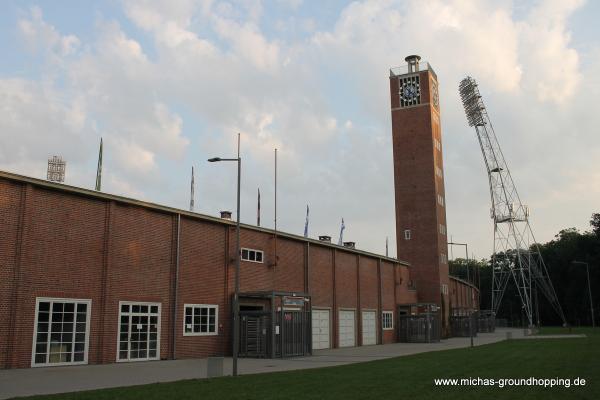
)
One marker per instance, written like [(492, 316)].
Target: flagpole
[(99, 170), (386, 246), (258, 209), (306, 223), (275, 264), (192, 191)]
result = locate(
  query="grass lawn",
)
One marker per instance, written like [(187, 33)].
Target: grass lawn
[(409, 377)]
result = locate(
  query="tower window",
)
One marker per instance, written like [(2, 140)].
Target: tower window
[(444, 288), (407, 234), (443, 258), (442, 229), (440, 200), (438, 171), (438, 145)]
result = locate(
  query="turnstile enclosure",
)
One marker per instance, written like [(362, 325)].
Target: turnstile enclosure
[(486, 322), (419, 323), (282, 331), (463, 322)]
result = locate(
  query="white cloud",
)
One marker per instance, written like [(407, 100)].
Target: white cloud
[(553, 67), (202, 71), (41, 36)]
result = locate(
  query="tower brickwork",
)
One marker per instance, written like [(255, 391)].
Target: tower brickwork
[(419, 180)]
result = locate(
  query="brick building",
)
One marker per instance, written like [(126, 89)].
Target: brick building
[(88, 277), (419, 181)]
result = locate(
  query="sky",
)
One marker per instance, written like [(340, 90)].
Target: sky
[(169, 84)]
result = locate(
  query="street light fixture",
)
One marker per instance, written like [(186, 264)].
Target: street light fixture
[(587, 268), (472, 315), (236, 303)]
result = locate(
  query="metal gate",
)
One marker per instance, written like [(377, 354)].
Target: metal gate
[(463, 322), (486, 322), (294, 333), (284, 330), (255, 334), (419, 323)]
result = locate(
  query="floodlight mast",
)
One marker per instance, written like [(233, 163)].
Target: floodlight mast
[(516, 253)]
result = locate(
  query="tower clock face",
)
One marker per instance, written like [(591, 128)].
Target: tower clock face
[(410, 91)]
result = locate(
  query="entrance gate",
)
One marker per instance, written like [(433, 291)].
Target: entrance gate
[(463, 322), (254, 334), (283, 331), (419, 323)]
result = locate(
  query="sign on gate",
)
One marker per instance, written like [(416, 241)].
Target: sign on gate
[(293, 301)]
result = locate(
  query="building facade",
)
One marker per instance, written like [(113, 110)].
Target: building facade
[(87, 277), (419, 181)]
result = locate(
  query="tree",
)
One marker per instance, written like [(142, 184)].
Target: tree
[(569, 279), (595, 223)]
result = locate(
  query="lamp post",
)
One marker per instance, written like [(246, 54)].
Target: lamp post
[(472, 313), (236, 308), (587, 268)]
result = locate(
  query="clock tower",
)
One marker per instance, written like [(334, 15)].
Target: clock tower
[(419, 181)]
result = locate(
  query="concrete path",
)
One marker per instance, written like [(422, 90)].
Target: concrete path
[(25, 382)]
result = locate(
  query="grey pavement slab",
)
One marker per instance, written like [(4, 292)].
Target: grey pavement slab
[(47, 380)]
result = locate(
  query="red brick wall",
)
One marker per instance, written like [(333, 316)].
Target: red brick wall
[(61, 256), (368, 283), (202, 277), (289, 274), (346, 280), (78, 246), (253, 276), (321, 276), (463, 295), (10, 211), (139, 269)]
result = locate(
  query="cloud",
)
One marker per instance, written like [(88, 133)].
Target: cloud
[(177, 81), (39, 35)]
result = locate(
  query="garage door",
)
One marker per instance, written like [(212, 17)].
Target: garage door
[(347, 333), (369, 328), (320, 329)]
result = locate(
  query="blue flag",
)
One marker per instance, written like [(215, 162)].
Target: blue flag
[(306, 223)]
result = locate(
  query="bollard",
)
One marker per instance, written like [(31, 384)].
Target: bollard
[(508, 335), (214, 367)]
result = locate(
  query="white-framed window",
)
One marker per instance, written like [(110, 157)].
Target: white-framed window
[(443, 258), (200, 319), (440, 200), (442, 229), (139, 331), (444, 288), (61, 331), (407, 234), (252, 255), (387, 320), (438, 171), (438, 145)]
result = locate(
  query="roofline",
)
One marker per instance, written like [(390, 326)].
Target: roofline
[(463, 282), (171, 210)]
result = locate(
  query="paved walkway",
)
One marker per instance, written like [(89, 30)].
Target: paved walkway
[(30, 381)]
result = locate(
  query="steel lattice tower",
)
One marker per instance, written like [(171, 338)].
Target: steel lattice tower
[(516, 253)]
